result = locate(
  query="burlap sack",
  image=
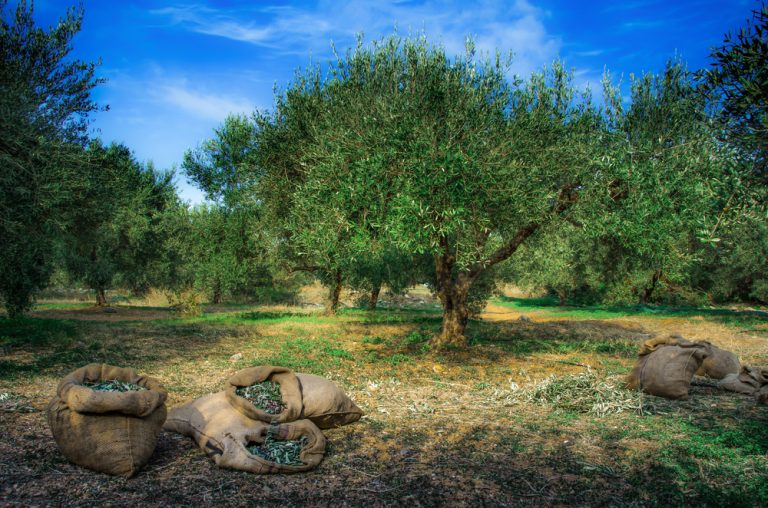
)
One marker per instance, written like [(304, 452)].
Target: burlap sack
[(749, 381), (325, 403), (223, 433), (719, 363), (109, 432), (304, 396), (761, 397), (666, 367), (290, 392)]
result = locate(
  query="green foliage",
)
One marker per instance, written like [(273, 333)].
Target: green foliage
[(113, 385), (402, 148), (735, 269), (280, 451), (45, 101), (223, 255), (223, 167), (114, 228), (739, 77)]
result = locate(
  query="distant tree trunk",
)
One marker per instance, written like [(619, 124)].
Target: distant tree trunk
[(562, 297), (646, 293), (334, 294), (216, 298), (373, 298), (101, 297)]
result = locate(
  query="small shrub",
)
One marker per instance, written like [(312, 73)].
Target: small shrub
[(187, 302)]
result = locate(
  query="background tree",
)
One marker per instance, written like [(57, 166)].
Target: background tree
[(45, 101), (227, 251), (223, 166), (739, 79), (116, 216), (669, 173), (564, 261)]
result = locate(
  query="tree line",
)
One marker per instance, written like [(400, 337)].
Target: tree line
[(397, 164)]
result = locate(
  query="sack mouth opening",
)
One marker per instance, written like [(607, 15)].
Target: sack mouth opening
[(268, 451)]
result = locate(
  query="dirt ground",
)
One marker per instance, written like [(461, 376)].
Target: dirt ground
[(441, 429)]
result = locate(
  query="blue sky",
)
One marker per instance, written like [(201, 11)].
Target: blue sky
[(176, 69)]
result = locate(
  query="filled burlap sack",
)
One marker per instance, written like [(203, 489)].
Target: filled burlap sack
[(666, 367), (719, 363), (304, 396), (749, 381), (761, 397), (224, 433), (109, 432), (325, 403), (290, 392)]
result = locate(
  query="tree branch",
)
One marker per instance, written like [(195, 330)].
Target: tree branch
[(565, 198)]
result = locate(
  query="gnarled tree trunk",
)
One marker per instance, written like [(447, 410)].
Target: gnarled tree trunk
[(101, 297), (647, 292), (453, 284), (373, 297), (334, 295), (452, 290)]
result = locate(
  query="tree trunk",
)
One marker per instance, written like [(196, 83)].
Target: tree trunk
[(645, 294), (216, 298), (334, 295), (101, 297), (373, 298), (562, 297), (452, 290)]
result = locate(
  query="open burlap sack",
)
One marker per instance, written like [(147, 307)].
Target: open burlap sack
[(666, 367), (749, 381), (304, 396), (290, 392), (109, 432), (325, 403), (719, 363), (223, 433)]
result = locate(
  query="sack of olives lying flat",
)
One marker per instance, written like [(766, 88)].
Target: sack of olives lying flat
[(107, 418), (235, 441), (666, 366), (278, 395)]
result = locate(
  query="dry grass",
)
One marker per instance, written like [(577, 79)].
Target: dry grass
[(532, 414)]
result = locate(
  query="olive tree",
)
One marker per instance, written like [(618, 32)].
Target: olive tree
[(397, 144), (45, 102)]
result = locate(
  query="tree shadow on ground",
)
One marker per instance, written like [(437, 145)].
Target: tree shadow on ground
[(429, 463), (39, 346)]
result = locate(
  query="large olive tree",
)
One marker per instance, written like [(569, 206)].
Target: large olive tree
[(399, 145)]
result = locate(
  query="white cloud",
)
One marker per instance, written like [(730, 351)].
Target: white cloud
[(495, 24), (203, 105)]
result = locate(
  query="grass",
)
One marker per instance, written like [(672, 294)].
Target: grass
[(532, 414), (550, 308)]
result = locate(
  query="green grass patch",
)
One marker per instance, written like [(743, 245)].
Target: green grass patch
[(550, 307)]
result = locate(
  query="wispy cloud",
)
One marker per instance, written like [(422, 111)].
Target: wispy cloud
[(517, 26), (209, 106), (645, 24), (590, 53)]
